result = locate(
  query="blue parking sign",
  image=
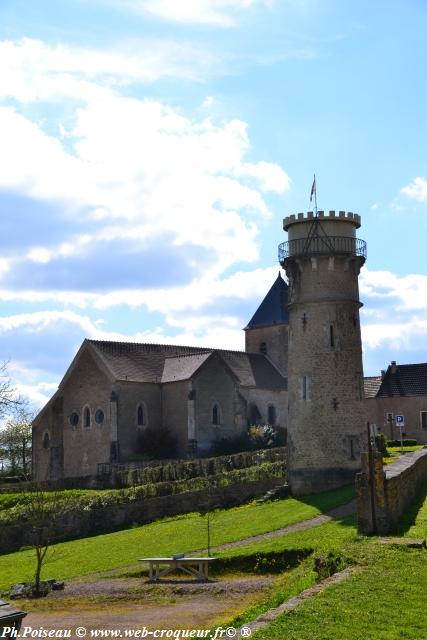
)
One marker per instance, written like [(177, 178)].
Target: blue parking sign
[(400, 421)]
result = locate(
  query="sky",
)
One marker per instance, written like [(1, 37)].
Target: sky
[(150, 149)]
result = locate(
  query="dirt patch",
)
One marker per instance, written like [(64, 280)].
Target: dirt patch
[(132, 604)]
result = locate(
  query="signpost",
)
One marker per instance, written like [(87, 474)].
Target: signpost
[(400, 422)]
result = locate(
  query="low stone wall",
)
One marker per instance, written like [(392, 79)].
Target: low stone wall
[(130, 474), (83, 523), (384, 495)]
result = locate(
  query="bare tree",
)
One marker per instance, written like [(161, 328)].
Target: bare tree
[(9, 397), (43, 510)]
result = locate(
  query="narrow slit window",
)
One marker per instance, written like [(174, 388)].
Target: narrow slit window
[(304, 387), (331, 336)]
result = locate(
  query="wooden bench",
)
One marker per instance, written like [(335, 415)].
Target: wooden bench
[(195, 567)]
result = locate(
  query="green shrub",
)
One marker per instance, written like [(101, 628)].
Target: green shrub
[(408, 442), (158, 443)]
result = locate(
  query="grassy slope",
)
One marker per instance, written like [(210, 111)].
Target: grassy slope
[(384, 600), (168, 536)]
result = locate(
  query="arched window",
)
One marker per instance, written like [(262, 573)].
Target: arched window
[(141, 415), (271, 415), (46, 441), (86, 417), (216, 414)]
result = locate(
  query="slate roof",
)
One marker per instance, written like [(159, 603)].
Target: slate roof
[(183, 367), (371, 385), (273, 309), (140, 362), (407, 380)]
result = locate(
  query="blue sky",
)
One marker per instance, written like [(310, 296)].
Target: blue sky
[(150, 149)]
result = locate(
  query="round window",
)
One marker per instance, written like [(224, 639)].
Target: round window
[(74, 419), (99, 416)]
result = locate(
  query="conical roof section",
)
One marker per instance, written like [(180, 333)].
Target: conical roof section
[(273, 309)]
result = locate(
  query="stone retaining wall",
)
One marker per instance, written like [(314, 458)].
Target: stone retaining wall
[(381, 504), (82, 523)]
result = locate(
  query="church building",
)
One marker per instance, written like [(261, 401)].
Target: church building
[(113, 391)]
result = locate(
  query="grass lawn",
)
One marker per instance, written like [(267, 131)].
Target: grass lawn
[(168, 536), (383, 600)]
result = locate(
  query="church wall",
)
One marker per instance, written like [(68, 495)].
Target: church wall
[(409, 406), (175, 412), (86, 446), (263, 398), (275, 338), (214, 385), (47, 439), (129, 396)]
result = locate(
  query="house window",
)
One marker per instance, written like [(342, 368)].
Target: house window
[(423, 419), (263, 347), (99, 416), (271, 412), (86, 417), (216, 414), (74, 419), (141, 415), (46, 441)]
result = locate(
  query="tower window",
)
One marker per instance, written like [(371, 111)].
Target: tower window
[(263, 347), (331, 336), (271, 414), (216, 414), (304, 388), (46, 441)]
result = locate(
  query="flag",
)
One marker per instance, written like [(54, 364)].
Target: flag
[(313, 189)]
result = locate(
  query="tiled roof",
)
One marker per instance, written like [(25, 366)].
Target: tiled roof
[(372, 384), (183, 367), (139, 362), (273, 309), (404, 380), (254, 370)]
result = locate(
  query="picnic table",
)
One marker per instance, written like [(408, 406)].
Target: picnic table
[(195, 567), (10, 620)]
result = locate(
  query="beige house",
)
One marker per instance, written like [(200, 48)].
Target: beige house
[(113, 391), (401, 390)]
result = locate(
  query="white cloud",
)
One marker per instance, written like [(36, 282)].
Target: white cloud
[(395, 315), (221, 13), (417, 189), (33, 71)]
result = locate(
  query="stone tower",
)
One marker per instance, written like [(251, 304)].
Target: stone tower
[(326, 416)]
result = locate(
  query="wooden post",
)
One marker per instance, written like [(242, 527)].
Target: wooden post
[(371, 480)]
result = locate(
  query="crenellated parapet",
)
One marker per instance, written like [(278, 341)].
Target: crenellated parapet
[(332, 216)]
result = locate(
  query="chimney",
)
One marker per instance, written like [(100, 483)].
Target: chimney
[(382, 374), (393, 366)]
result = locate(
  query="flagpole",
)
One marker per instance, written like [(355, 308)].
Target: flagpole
[(315, 195)]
